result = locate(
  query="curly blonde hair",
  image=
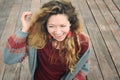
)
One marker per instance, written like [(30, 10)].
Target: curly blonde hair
[(38, 33)]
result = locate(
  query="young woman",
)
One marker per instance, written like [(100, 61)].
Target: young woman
[(53, 41)]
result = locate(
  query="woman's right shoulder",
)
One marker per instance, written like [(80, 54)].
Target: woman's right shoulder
[(83, 37)]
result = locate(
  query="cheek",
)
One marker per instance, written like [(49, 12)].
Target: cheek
[(50, 31), (67, 29)]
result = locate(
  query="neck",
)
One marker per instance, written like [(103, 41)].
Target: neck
[(56, 44)]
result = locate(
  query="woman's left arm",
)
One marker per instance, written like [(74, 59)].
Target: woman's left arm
[(83, 72), (86, 66)]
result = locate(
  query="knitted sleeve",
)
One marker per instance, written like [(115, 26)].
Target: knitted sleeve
[(16, 49), (86, 67)]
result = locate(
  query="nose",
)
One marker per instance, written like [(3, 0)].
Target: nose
[(58, 31)]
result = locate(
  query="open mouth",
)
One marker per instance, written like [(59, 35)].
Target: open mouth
[(59, 37)]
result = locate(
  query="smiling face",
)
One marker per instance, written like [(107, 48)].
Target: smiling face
[(58, 26)]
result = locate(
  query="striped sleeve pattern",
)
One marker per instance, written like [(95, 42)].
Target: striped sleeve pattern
[(16, 48), (16, 44)]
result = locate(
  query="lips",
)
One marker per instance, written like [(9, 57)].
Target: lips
[(59, 37)]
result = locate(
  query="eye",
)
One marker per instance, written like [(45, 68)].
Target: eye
[(63, 26), (50, 26)]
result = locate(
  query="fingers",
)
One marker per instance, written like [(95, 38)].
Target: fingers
[(26, 16)]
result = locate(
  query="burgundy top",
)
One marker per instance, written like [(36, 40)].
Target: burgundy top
[(55, 70)]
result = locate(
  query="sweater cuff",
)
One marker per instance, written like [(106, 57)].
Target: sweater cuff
[(21, 34), (79, 77)]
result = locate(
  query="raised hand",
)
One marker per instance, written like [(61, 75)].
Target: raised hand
[(26, 19)]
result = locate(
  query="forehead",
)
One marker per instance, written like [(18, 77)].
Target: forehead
[(59, 18)]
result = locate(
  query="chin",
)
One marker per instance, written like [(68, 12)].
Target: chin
[(60, 40)]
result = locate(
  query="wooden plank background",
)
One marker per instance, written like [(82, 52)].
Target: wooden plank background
[(101, 22)]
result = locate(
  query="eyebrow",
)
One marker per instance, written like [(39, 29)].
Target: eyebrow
[(60, 24)]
